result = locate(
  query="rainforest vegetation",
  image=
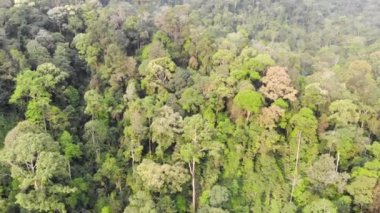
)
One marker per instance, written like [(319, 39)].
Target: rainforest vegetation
[(161, 106)]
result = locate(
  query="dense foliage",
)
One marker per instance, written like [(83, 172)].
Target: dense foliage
[(190, 106)]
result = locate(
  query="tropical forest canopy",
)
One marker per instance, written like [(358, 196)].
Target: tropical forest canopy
[(142, 106)]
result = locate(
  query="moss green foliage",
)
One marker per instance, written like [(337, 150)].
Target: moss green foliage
[(249, 100), (189, 106)]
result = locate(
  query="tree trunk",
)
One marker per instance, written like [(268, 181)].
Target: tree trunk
[(133, 160), (45, 125), (248, 117), (296, 167), (194, 193), (69, 167), (93, 143), (118, 185), (35, 185), (337, 162), (150, 138)]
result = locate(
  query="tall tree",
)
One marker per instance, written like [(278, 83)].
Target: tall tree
[(277, 84), (198, 142), (36, 163), (166, 128), (250, 101)]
